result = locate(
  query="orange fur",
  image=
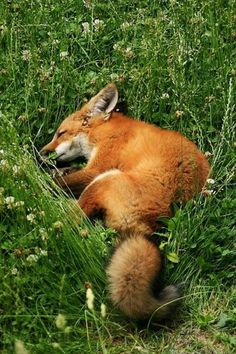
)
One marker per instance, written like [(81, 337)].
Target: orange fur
[(133, 269), (135, 171)]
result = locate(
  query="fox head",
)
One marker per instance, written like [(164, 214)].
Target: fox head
[(71, 139)]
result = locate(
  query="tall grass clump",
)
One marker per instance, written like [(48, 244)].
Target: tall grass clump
[(174, 65), (48, 252)]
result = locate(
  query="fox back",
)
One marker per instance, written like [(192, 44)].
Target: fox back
[(134, 173)]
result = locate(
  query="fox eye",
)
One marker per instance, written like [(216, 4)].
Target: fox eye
[(85, 121), (61, 133)]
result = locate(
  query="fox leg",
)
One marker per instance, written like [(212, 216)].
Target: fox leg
[(94, 199), (91, 201), (76, 182), (114, 196)]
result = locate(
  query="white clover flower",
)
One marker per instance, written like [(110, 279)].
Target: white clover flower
[(14, 271), (208, 154), (116, 46), (44, 234), (87, 3), (128, 52), (97, 21), (26, 55), (165, 96), (31, 218), (16, 170), (57, 225), (114, 76), (32, 258), (103, 310), (4, 164), (42, 213), (90, 298), (98, 24), (3, 71), (60, 321), (86, 27), (210, 181), (125, 25), (10, 202), (22, 118), (3, 28), (43, 253), (178, 114), (44, 75), (20, 347), (55, 42), (209, 98), (2, 152), (42, 109), (64, 55), (20, 203), (207, 192)]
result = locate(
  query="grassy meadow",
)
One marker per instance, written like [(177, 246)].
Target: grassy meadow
[(174, 63)]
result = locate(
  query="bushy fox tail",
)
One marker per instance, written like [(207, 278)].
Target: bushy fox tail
[(132, 273)]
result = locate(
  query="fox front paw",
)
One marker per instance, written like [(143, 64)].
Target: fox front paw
[(61, 172)]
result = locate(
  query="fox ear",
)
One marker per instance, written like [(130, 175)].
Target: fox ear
[(105, 101)]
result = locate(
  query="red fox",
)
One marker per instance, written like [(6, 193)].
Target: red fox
[(134, 172)]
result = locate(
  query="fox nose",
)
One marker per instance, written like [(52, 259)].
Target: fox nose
[(44, 153)]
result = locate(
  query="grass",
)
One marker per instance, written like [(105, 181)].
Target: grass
[(175, 66)]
